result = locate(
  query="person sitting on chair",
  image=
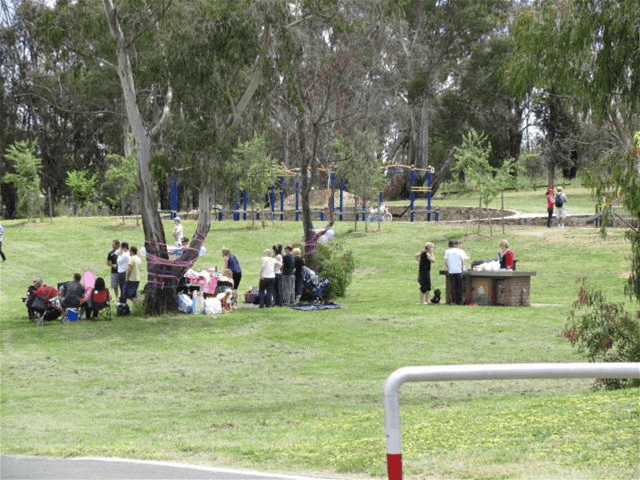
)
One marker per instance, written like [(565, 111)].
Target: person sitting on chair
[(72, 292), (98, 300)]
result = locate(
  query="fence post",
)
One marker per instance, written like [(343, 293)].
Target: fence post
[(481, 372)]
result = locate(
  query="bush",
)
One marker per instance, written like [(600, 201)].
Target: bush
[(604, 331), (337, 265)]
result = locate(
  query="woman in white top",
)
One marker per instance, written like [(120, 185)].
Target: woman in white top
[(268, 278)]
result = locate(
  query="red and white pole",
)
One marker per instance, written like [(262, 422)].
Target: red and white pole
[(481, 372)]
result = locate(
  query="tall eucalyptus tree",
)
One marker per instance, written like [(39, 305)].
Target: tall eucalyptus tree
[(338, 71), (439, 39), (210, 65)]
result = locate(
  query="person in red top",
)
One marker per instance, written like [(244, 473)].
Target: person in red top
[(551, 200), (507, 257)]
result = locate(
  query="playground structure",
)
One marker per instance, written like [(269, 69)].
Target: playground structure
[(276, 206)]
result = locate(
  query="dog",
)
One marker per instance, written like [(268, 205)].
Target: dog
[(436, 296)]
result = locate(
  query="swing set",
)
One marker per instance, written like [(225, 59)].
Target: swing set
[(240, 207)]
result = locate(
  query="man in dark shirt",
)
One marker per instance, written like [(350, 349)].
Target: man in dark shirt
[(112, 262), (72, 292)]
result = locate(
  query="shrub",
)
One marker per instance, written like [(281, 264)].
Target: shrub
[(337, 265), (604, 331)]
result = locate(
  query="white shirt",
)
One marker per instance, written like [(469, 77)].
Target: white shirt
[(278, 266), (177, 233), (123, 262), (268, 269), (454, 259)]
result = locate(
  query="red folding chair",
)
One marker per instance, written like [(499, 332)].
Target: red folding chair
[(99, 304)]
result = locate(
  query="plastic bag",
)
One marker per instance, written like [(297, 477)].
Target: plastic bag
[(212, 306), (185, 304)]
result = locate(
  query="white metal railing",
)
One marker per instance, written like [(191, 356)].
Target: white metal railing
[(481, 372)]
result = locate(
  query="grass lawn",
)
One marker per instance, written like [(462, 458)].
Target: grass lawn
[(301, 392)]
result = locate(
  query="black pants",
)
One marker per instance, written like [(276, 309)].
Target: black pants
[(550, 216), (455, 280)]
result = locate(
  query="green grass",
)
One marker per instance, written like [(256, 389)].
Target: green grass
[(301, 392)]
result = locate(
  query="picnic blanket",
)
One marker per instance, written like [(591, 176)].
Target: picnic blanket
[(316, 306)]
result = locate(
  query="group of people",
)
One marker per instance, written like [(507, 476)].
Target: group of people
[(281, 275), (126, 271), (454, 259), (71, 295), (556, 199)]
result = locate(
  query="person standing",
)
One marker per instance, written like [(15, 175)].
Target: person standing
[(454, 258), (123, 263), (561, 201), (112, 262), (178, 231), (425, 259), (232, 263), (277, 252), (4, 258), (134, 274), (267, 279), (298, 265), (288, 276), (550, 204)]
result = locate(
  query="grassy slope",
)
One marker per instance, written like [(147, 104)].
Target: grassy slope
[(302, 392)]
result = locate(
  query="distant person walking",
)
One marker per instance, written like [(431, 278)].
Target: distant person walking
[(551, 200), (560, 202), (4, 258), (425, 259)]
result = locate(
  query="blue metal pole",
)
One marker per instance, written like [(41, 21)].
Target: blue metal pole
[(245, 201), (272, 200), (236, 207), (173, 201)]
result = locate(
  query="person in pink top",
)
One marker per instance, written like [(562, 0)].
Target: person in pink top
[(551, 200)]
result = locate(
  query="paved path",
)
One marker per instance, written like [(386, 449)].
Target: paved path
[(37, 468)]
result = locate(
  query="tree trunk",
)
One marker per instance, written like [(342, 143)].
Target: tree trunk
[(162, 277), (306, 179)]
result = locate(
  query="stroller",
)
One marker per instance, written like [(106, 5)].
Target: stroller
[(312, 286), (42, 304)]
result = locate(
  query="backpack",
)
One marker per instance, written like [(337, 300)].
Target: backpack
[(122, 310), (559, 201)]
